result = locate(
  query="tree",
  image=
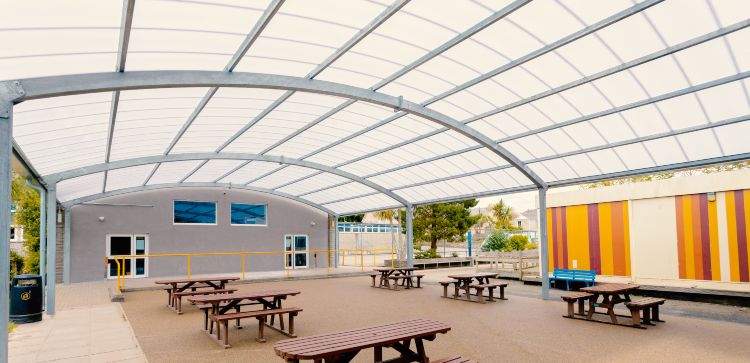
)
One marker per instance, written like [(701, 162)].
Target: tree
[(389, 215), (503, 215), (27, 215), (356, 218), (737, 165), (442, 221)]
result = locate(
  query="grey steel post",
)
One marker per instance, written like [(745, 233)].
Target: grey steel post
[(51, 247), (543, 247), (336, 240), (66, 247), (409, 236), (42, 229), (6, 150)]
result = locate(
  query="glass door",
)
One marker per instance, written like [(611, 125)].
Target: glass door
[(296, 248), (127, 245)]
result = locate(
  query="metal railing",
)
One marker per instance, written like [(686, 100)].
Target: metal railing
[(119, 260)]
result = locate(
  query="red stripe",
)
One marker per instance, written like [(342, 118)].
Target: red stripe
[(594, 250), (705, 236), (564, 238), (739, 209)]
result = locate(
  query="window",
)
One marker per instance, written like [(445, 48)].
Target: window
[(248, 214), (187, 212), (13, 234)]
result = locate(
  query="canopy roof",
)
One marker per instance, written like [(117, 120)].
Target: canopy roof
[(354, 106)]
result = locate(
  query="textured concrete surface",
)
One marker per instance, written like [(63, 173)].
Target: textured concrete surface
[(521, 329), (86, 328)]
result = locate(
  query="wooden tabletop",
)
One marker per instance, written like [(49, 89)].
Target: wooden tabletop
[(474, 275), (388, 269), (610, 288), (326, 345), (206, 279), (250, 295)]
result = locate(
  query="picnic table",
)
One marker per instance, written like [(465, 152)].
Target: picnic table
[(612, 294), (344, 346), (466, 282), (390, 273), (217, 307), (182, 284)]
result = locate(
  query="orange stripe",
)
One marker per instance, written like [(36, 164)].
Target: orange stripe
[(550, 241), (697, 240), (680, 235), (746, 194), (689, 245), (618, 249), (626, 236), (605, 240), (714, 237)]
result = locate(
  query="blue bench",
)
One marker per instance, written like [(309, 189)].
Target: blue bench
[(561, 274)]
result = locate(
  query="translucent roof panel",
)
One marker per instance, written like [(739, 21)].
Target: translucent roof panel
[(560, 86), (131, 177), (148, 120), (189, 35)]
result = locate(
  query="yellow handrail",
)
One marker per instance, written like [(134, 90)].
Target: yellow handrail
[(120, 259)]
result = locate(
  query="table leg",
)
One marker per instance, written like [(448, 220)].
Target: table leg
[(420, 351), (378, 354), (592, 306), (609, 302)]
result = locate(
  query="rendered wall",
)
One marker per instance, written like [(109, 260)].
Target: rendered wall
[(284, 217)]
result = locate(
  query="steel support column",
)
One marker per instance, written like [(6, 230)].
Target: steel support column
[(543, 246), (336, 240), (410, 235), (66, 247), (42, 228), (51, 247), (6, 150)]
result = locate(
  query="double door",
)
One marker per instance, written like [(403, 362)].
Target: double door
[(296, 247), (127, 245)]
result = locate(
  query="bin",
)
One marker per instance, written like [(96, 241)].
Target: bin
[(26, 297)]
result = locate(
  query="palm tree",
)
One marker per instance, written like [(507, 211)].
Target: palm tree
[(389, 215), (503, 215)]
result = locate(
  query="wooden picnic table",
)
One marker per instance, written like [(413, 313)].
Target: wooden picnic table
[(221, 304), (464, 281), (182, 284), (612, 294), (386, 272), (344, 346)]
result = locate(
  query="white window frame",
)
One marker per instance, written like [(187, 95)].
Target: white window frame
[(265, 206), (216, 213), (132, 274)]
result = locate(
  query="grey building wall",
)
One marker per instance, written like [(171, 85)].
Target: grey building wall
[(88, 233)]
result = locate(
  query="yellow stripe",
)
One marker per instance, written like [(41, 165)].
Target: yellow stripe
[(605, 239), (734, 264), (578, 236), (626, 231), (713, 230), (689, 249), (746, 193)]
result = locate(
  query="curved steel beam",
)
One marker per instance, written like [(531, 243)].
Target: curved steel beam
[(54, 86), (98, 168), (142, 188)]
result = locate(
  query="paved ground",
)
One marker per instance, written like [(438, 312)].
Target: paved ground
[(86, 328), (521, 329)]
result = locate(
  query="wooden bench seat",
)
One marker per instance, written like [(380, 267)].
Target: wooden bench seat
[(650, 308), (455, 359), (206, 309), (490, 290), (579, 297), (177, 296), (407, 282), (445, 287), (374, 277), (261, 315)]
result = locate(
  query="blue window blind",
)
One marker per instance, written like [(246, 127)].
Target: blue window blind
[(253, 214), (187, 212)]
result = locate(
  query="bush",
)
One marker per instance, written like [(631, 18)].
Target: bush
[(518, 242), (496, 241), (16, 264), (454, 254), (426, 254)]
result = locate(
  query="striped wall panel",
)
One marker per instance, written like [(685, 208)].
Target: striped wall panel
[(738, 220), (697, 238), (597, 236)]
